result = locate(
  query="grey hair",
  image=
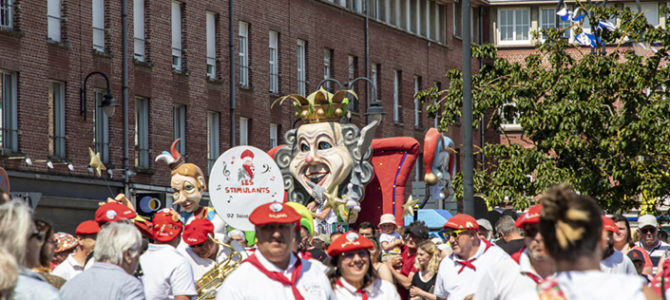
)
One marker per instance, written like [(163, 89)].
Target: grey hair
[(506, 225), (9, 274), (237, 232), (16, 224), (116, 238)]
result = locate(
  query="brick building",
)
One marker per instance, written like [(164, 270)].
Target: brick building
[(179, 82)]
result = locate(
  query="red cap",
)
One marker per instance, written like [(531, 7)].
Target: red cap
[(273, 212), (112, 212), (462, 221), (349, 241), (87, 227), (196, 232), (166, 225), (608, 224), (530, 217)]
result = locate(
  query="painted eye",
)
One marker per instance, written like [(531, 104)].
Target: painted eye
[(304, 147), (189, 188), (324, 145)]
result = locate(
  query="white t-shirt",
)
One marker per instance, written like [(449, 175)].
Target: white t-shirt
[(68, 268), (389, 238), (656, 253), (166, 273), (199, 265), (378, 290), (496, 276), (247, 282), (594, 284), (617, 263), (324, 226), (527, 270)]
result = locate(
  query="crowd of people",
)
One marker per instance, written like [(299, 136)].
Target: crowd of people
[(562, 248)]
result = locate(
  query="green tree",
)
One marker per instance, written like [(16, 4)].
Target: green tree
[(598, 118)]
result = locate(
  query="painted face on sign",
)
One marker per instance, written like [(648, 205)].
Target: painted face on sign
[(186, 192), (322, 158)]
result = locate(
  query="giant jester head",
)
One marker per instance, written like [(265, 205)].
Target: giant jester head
[(187, 182), (324, 154)]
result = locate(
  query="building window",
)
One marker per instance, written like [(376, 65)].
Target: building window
[(458, 19), (302, 71), (142, 133), (356, 5), (414, 16), (274, 61), (244, 131), (327, 67), (510, 119), (6, 14), (244, 53), (179, 127), (176, 37), (352, 72), (212, 138), (101, 128), (374, 76), (397, 100), (138, 30), (649, 10), (274, 135), (98, 23), (428, 19), (57, 119), (53, 20), (211, 44), (514, 25), (8, 104), (475, 20), (548, 20), (418, 112), (422, 15)]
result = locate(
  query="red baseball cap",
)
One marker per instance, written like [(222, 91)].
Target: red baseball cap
[(608, 224), (166, 225), (462, 221), (530, 217), (196, 232), (87, 227), (349, 241), (273, 212), (112, 212)]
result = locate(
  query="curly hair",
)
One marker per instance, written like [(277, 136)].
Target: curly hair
[(435, 258), (570, 223)]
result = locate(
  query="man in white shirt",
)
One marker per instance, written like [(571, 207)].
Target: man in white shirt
[(649, 241), (86, 232), (203, 253), (476, 262), (167, 273), (273, 271), (534, 260), (613, 260)]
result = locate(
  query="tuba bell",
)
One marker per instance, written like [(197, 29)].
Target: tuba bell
[(210, 281)]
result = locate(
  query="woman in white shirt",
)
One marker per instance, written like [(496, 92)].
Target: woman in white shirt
[(352, 275)]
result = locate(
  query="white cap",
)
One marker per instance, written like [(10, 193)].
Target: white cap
[(646, 220), (387, 219), (485, 223)]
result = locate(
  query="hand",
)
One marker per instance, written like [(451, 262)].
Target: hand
[(469, 297), (414, 291)]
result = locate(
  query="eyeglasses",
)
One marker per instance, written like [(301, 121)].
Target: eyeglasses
[(648, 230), (361, 253), (456, 233)]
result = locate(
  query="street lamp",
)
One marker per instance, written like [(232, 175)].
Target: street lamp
[(108, 103)]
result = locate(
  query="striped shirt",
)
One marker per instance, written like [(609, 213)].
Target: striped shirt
[(655, 253)]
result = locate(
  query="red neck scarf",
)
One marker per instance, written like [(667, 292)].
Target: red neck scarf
[(359, 291), (468, 263), (277, 276)]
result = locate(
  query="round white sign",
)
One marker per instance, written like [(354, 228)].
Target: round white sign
[(242, 179)]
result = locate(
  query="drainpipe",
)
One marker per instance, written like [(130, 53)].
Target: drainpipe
[(124, 57), (367, 58), (231, 46)]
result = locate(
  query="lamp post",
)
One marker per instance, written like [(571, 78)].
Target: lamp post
[(108, 103)]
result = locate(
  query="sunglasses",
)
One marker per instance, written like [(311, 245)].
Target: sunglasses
[(454, 233), (361, 253), (648, 230)]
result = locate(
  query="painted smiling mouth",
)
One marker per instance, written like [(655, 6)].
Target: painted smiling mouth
[(317, 178)]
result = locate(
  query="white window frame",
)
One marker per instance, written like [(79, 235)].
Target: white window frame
[(374, 76), (7, 14), (649, 9), (100, 128), (176, 23), (273, 60), (327, 67), (57, 119), (98, 25), (509, 126), (179, 127), (429, 10), (274, 135), (561, 24), (139, 38), (243, 41), (9, 132), (244, 131), (210, 32), (397, 99), (142, 133), (53, 20), (213, 145), (515, 40), (301, 67), (417, 103)]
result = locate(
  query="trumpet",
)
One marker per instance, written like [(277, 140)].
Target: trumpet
[(210, 281)]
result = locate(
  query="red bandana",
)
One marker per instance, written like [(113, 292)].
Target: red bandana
[(468, 263), (277, 276), (358, 291)]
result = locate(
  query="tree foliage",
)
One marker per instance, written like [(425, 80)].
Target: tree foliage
[(598, 118)]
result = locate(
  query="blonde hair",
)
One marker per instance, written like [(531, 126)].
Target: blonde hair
[(16, 224), (435, 257), (9, 274), (191, 170)]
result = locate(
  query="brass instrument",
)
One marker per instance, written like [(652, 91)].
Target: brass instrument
[(210, 281)]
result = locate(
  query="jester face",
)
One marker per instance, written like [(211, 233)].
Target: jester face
[(322, 157), (186, 192)]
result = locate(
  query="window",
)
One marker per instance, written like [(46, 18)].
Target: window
[(475, 28), (458, 19), (244, 131), (302, 83), (6, 14), (421, 17), (429, 16), (138, 30), (357, 6), (211, 44), (509, 116), (98, 23), (142, 133), (513, 25), (244, 53), (418, 113), (327, 67), (176, 37), (649, 10), (274, 135), (9, 139), (53, 20), (352, 74), (397, 101), (57, 119), (212, 138), (374, 76), (101, 128), (179, 127), (548, 20), (413, 16), (274, 62)]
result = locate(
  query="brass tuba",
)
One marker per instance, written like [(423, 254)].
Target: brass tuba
[(210, 281)]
